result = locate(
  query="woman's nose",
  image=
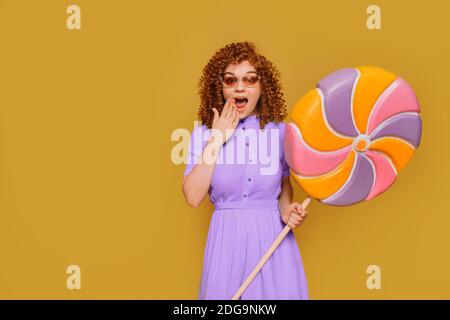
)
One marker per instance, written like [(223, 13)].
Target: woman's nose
[(239, 86)]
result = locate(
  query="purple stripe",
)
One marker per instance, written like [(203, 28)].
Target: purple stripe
[(358, 187), (337, 93), (405, 126)]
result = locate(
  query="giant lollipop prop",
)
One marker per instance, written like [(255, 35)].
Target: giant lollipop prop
[(350, 138)]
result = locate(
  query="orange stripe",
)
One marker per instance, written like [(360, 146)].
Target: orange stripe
[(324, 186), (371, 84), (399, 151)]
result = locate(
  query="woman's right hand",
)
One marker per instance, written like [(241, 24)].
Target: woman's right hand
[(226, 123), (293, 215)]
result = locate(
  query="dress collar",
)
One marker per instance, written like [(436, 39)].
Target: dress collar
[(248, 119)]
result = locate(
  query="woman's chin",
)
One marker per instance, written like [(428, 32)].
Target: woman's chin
[(241, 109), (244, 112)]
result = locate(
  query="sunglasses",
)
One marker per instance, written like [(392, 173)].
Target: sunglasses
[(249, 81)]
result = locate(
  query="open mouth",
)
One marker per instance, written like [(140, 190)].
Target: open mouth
[(241, 103)]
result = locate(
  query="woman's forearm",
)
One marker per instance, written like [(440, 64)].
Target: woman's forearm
[(286, 194), (198, 181)]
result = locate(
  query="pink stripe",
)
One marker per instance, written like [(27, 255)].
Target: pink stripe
[(384, 173), (304, 160), (399, 97)]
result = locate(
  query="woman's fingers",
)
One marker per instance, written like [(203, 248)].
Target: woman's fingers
[(223, 115), (234, 114), (294, 224), (216, 114), (231, 110), (295, 220), (228, 109), (305, 213), (300, 210), (295, 216)]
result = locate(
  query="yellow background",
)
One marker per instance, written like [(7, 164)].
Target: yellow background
[(86, 118)]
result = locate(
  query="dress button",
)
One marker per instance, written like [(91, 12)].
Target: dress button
[(249, 179), (245, 196), (243, 128), (246, 143)]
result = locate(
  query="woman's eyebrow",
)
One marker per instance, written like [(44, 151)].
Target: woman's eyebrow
[(246, 72)]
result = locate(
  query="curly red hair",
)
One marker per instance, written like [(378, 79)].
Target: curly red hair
[(271, 105)]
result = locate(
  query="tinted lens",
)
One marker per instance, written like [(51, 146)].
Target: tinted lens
[(250, 80), (230, 81)]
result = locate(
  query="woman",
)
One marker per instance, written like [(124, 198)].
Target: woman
[(242, 110)]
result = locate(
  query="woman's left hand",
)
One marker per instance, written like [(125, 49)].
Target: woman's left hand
[(293, 215)]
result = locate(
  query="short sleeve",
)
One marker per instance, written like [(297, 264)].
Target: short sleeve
[(195, 148), (284, 164)]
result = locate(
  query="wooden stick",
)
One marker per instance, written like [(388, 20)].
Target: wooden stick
[(267, 255)]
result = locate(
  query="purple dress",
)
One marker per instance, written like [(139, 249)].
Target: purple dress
[(244, 189)]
